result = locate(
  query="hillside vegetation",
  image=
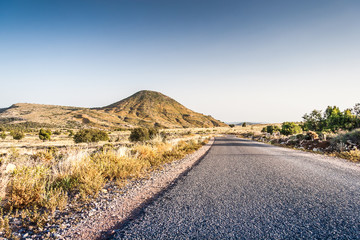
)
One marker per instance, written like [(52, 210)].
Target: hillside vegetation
[(143, 109)]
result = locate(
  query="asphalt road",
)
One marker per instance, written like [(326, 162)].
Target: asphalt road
[(248, 190)]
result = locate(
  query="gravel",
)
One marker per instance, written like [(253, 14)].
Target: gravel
[(247, 190)]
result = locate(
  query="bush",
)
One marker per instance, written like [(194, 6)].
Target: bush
[(244, 124), (27, 186), (353, 137), (332, 119), (90, 135), (71, 132), (231, 125), (153, 132), (45, 134), (290, 128), (271, 129), (57, 132), (139, 135), (3, 135), (17, 134)]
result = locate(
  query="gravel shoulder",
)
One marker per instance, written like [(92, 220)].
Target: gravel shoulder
[(112, 208)]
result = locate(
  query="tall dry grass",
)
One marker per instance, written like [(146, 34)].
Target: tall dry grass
[(46, 180)]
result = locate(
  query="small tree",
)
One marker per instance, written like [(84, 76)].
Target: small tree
[(45, 134), (290, 128), (139, 135), (244, 124), (17, 134), (90, 135)]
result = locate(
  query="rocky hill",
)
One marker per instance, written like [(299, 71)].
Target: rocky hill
[(144, 108)]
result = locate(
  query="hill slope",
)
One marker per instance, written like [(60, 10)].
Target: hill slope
[(144, 108), (149, 108)]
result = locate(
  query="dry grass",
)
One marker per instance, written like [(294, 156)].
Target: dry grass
[(44, 181), (352, 155)]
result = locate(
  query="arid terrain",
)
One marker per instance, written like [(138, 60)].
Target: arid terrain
[(62, 169), (144, 108)]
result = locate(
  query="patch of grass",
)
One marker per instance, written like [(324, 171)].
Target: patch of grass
[(352, 155), (27, 186)]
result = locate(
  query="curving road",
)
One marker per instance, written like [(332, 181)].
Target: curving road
[(248, 190)]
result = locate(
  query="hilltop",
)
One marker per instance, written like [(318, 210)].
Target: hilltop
[(144, 108)]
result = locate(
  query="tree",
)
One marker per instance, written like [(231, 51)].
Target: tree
[(244, 124), (313, 121), (357, 109), (90, 135), (290, 128), (45, 134), (333, 118)]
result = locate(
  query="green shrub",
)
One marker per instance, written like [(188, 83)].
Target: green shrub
[(139, 135), (244, 124), (45, 134), (3, 135), (271, 129), (290, 128), (231, 125), (90, 135), (17, 134)]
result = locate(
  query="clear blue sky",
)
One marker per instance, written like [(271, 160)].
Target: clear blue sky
[(268, 61)]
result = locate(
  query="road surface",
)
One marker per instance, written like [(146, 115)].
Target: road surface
[(247, 190)]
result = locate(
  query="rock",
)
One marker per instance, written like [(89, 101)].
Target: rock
[(104, 190), (56, 236)]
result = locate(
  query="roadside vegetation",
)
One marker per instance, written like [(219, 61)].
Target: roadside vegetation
[(333, 132), (40, 182), (45, 169)]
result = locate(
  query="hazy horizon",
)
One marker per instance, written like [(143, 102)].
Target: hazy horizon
[(259, 61)]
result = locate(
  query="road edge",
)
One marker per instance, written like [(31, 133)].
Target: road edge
[(124, 207)]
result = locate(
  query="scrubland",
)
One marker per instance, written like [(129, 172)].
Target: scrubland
[(39, 178)]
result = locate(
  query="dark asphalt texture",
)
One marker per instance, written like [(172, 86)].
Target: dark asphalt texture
[(248, 190)]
